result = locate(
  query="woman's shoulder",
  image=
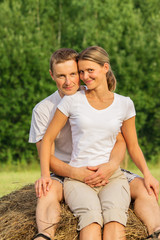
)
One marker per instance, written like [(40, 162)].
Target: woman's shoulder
[(125, 103), (122, 98)]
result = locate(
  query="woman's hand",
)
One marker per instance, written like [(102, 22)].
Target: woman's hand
[(102, 174), (42, 186), (151, 184)]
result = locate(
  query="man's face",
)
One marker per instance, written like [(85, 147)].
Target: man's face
[(66, 77)]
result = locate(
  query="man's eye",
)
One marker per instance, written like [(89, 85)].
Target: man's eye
[(90, 70)]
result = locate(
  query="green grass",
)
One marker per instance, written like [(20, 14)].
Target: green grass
[(11, 181), (154, 169)]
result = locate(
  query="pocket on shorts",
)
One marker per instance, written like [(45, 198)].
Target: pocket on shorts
[(126, 194), (68, 188)]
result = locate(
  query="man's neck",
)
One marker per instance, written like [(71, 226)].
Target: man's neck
[(60, 94)]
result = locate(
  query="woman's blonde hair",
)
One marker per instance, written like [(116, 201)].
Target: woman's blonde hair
[(99, 55)]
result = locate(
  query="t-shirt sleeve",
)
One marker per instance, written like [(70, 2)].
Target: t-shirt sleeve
[(65, 105), (130, 109), (38, 127)]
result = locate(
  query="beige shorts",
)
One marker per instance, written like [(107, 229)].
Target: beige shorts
[(100, 204)]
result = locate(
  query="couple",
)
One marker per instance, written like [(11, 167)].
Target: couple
[(98, 149)]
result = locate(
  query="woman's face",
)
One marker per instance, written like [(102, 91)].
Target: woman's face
[(92, 74)]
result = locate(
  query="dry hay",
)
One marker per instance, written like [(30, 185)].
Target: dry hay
[(17, 219)]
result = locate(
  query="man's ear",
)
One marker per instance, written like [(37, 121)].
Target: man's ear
[(51, 74)]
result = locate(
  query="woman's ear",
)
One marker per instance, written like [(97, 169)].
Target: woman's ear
[(106, 67)]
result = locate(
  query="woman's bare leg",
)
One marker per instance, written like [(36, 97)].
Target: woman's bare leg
[(114, 230), (91, 232)]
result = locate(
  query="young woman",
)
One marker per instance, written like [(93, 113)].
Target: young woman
[(96, 117)]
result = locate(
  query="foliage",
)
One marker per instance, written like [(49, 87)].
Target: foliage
[(31, 30)]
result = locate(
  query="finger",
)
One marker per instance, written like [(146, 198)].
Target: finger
[(92, 168), (44, 187), (39, 189), (149, 190), (91, 177), (36, 188), (102, 183), (91, 185), (94, 181), (106, 181), (156, 192), (49, 185)]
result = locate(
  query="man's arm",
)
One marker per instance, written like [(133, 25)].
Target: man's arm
[(64, 169), (105, 170)]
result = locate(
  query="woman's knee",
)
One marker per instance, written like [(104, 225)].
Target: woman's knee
[(79, 195), (115, 200)]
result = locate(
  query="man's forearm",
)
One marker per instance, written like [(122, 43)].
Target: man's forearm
[(118, 152), (60, 168), (64, 169)]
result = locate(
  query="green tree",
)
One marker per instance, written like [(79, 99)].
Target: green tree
[(31, 30)]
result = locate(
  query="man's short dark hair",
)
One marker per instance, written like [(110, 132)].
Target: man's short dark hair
[(62, 55)]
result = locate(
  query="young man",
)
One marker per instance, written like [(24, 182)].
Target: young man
[(63, 70)]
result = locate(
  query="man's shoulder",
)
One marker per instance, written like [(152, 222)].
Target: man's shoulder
[(48, 103), (75, 95)]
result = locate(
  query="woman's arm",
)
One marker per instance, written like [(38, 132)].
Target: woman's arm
[(130, 136), (57, 123)]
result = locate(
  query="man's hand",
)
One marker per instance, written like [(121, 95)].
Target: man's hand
[(152, 185), (42, 186), (81, 173), (102, 174)]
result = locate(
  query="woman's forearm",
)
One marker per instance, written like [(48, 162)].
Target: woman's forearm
[(45, 157), (57, 123), (137, 156)]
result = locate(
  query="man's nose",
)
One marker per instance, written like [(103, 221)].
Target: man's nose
[(68, 81)]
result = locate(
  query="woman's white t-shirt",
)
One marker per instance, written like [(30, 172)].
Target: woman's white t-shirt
[(94, 131)]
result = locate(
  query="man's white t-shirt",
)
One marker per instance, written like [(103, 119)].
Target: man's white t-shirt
[(94, 131), (42, 115)]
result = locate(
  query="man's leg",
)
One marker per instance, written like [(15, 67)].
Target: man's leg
[(48, 210), (145, 206)]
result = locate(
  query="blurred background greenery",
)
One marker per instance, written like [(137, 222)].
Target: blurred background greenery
[(31, 30)]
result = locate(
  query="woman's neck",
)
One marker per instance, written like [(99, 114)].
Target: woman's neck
[(99, 93)]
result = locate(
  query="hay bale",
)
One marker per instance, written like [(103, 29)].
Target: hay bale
[(17, 218)]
